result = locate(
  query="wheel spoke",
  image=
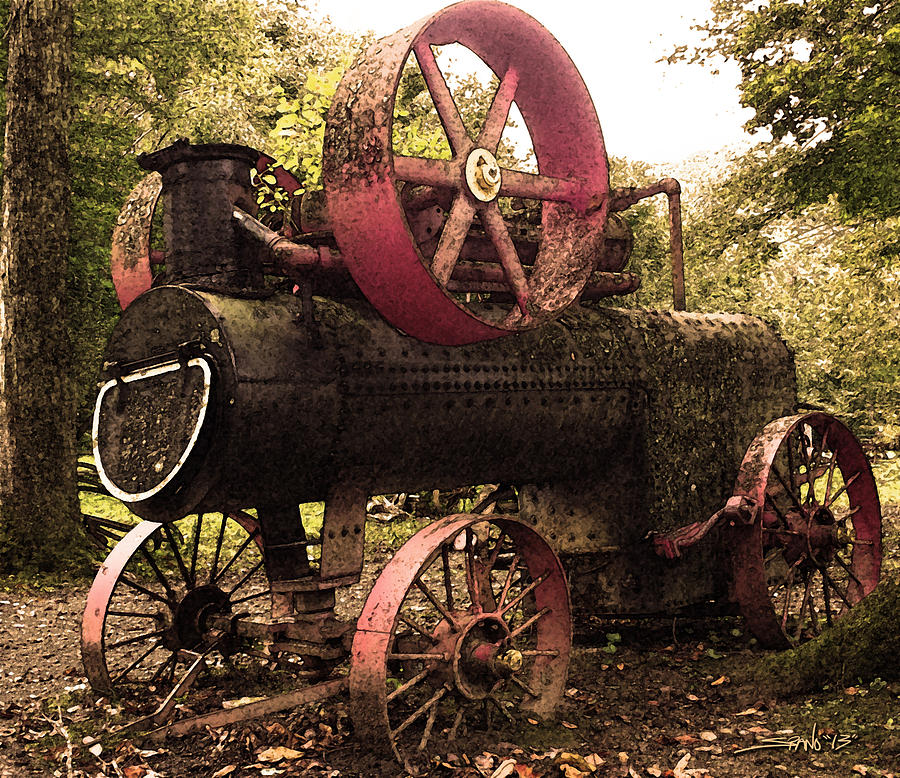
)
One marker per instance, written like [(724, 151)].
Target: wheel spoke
[(472, 583), (405, 687), (552, 652), (804, 454), (453, 236), (523, 686), (247, 541), (134, 614), (195, 550), (413, 624), (533, 186), (495, 227), (523, 594), (218, 550), (526, 624), (143, 590), (787, 595), (121, 676), (508, 581), (826, 501), (454, 729), (164, 582), (794, 497), (826, 598), (429, 725), (847, 484), (433, 700), (803, 605), (423, 587), (136, 639), (830, 581), (850, 572), (443, 99), (440, 173), (247, 598), (492, 560), (246, 578), (185, 574), (498, 113), (777, 510)]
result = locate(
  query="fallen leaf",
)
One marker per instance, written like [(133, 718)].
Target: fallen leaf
[(720, 680), (227, 770), (620, 666), (623, 757), (748, 712), (679, 771), (595, 760), (506, 768), (135, 771), (851, 690), (524, 771), (567, 725), (229, 704), (708, 736), (654, 771), (693, 698), (686, 739), (574, 760), (860, 769), (572, 772), (278, 753), (532, 721), (96, 749)]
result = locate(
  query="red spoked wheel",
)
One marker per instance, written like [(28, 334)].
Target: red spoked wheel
[(412, 284), (469, 619), (152, 596), (133, 263), (813, 550)]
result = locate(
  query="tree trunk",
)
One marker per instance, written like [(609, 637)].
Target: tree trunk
[(39, 514), (862, 646)]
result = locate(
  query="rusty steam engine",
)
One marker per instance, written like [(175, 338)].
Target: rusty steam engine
[(416, 327)]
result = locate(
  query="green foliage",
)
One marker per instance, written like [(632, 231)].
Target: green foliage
[(821, 75)]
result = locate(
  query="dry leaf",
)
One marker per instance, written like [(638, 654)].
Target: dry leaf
[(532, 721), (574, 760), (227, 770), (506, 768), (679, 771), (623, 757), (621, 666), (277, 753), (572, 772), (851, 690), (229, 704), (134, 771), (654, 771), (693, 698), (708, 736), (567, 725), (525, 771), (748, 712), (686, 739), (720, 680), (595, 760), (96, 749), (860, 769)]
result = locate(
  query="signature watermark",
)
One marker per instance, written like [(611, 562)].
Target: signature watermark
[(815, 742)]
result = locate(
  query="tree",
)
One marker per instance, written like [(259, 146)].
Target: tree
[(39, 514), (824, 78)]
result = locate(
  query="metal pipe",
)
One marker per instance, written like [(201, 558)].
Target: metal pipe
[(623, 198)]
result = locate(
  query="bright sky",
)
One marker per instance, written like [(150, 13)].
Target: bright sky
[(648, 110)]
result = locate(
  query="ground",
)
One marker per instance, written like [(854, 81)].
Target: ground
[(648, 698)]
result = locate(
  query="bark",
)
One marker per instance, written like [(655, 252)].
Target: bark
[(39, 512), (862, 646)]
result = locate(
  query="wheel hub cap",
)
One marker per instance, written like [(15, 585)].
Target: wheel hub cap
[(483, 175)]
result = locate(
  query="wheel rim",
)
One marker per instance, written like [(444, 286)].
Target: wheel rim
[(447, 635), (362, 176), (151, 596), (814, 548)]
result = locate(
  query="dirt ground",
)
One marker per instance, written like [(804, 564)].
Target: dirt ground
[(650, 698)]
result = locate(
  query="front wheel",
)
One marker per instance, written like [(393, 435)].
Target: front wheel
[(471, 618)]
